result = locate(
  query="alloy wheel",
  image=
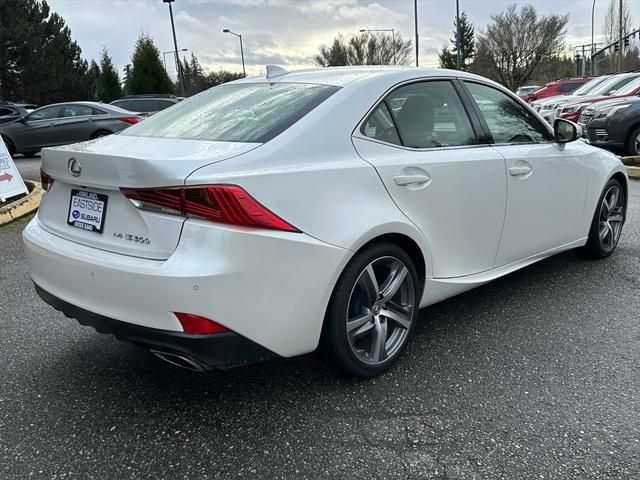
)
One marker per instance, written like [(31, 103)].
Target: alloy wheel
[(611, 218), (636, 144), (380, 310)]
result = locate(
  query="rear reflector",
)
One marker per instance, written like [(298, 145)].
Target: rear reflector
[(129, 120), (197, 325), (217, 203), (45, 180)]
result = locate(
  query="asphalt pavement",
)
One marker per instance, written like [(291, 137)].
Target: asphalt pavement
[(29, 168), (532, 376)]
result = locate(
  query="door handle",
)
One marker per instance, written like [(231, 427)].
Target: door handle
[(522, 170), (404, 180)]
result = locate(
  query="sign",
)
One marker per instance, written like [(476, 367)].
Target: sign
[(11, 183)]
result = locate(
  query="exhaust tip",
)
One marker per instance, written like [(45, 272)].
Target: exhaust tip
[(179, 360)]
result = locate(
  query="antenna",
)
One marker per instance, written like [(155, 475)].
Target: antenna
[(275, 71)]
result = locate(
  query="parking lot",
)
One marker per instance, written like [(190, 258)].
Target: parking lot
[(534, 375)]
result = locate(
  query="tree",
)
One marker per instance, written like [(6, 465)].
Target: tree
[(610, 28), (39, 61), (147, 73), (108, 86), (194, 77), (92, 77), (448, 58), (221, 76), (366, 49), (515, 43)]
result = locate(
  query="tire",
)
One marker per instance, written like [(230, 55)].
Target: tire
[(388, 311), (632, 147), (608, 219), (30, 153), (100, 133), (9, 146)]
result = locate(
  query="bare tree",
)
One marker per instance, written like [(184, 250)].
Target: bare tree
[(515, 43), (366, 49), (610, 27)]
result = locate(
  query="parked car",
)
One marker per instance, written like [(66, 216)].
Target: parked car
[(627, 84), (10, 111), (524, 91), (547, 106), (64, 123), (559, 87), (147, 104), (274, 215), (613, 124)]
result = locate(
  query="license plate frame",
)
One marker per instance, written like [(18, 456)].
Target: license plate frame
[(74, 214)]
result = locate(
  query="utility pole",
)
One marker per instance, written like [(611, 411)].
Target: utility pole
[(175, 46), (415, 17), (620, 36), (458, 34)]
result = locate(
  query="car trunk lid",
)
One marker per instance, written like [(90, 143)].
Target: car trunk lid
[(85, 204)]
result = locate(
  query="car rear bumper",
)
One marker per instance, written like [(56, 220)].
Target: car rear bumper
[(269, 287), (198, 352)]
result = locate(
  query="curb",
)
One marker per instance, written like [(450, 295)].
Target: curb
[(23, 206), (634, 172)]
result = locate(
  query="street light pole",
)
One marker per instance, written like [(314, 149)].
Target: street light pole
[(164, 58), (393, 37), (593, 48), (620, 36), (175, 46), (457, 34), (415, 18), (226, 30)]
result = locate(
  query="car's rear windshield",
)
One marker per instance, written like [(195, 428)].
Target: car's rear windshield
[(246, 112)]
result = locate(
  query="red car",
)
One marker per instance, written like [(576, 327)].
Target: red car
[(559, 87), (628, 86)]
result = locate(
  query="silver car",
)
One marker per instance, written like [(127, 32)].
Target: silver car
[(64, 123)]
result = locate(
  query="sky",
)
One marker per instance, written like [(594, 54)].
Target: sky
[(290, 32)]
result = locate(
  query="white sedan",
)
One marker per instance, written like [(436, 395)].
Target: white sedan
[(275, 215)]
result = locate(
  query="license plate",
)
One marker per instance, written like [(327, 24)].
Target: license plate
[(87, 210)]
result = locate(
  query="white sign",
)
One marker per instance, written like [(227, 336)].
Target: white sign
[(11, 183)]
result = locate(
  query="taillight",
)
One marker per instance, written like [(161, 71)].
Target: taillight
[(197, 325), (45, 180), (129, 120), (218, 203)]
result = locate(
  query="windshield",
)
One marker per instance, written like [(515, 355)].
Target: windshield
[(627, 89), (616, 85), (590, 85), (248, 112)]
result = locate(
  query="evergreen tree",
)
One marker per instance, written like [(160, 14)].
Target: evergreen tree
[(92, 77), (39, 62), (147, 73), (448, 58), (126, 77), (108, 86)]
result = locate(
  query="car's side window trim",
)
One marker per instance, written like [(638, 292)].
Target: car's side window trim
[(487, 132), (357, 132)]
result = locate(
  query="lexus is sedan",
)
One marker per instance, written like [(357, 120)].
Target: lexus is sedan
[(64, 123), (320, 209)]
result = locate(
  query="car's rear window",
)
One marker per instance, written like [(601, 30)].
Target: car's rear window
[(248, 112)]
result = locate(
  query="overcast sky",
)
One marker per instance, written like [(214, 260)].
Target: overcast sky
[(289, 32)]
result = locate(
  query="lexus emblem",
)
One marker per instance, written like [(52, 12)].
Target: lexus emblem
[(74, 166)]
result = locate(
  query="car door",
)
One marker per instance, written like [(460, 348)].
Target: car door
[(76, 124), (423, 144), (547, 182), (36, 131)]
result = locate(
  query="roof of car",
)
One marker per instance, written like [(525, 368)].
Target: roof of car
[(342, 76)]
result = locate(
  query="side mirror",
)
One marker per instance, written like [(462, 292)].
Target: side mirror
[(23, 119), (565, 131)]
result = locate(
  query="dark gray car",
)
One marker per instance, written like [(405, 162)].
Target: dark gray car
[(64, 123)]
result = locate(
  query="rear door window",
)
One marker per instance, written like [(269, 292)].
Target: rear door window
[(425, 115), (77, 111)]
